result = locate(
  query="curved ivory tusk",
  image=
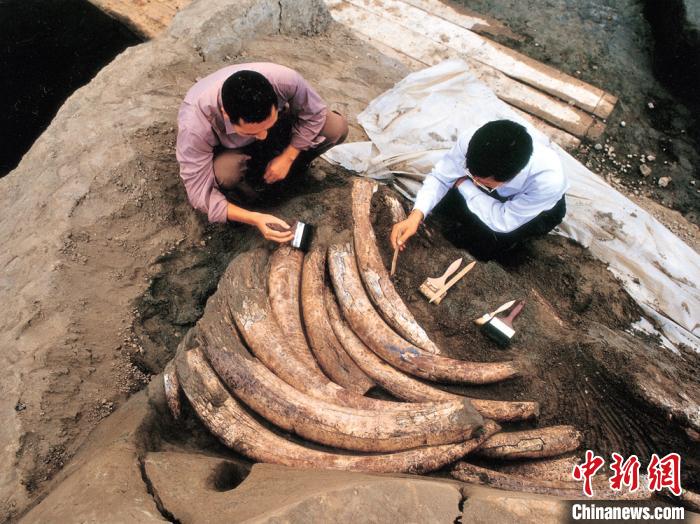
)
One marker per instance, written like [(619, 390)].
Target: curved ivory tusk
[(311, 418), (331, 356), (230, 421), (533, 443), (396, 210), (558, 488), (278, 351), (283, 285), (375, 276), (172, 390), (408, 388), (381, 339)]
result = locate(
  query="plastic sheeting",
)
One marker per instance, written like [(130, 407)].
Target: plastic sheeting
[(414, 123)]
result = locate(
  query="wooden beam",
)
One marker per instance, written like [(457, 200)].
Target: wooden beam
[(463, 17), (479, 48), (376, 28)]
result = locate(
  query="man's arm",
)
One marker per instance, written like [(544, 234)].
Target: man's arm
[(194, 152), (271, 227), (445, 173), (309, 108)]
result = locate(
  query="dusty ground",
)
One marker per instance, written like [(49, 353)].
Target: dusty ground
[(609, 43), (123, 289), (130, 285)]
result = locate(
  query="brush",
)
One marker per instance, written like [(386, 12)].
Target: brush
[(442, 292), (303, 233), (433, 285), (485, 318), (501, 329)]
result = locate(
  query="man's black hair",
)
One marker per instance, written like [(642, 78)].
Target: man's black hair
[(248, 95), (499, 150)]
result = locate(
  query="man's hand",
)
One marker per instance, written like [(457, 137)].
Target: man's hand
[(405, 229), (277, 169), (273, 228)]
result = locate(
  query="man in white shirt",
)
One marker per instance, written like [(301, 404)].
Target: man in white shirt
[(498, 186)]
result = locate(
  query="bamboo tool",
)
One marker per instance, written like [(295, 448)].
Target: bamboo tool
[(393, 262), (501, 329), (432, 285), (440, 294)]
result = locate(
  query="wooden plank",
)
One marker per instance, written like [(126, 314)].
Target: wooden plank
[(147, 18), (509, 62), (378, 29), (556, 135), (465, 18), (562, 138)]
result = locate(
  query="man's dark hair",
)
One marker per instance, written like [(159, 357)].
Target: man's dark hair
[(248, 95), (499, 150)]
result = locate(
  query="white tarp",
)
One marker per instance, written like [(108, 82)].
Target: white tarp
[(413, 124)]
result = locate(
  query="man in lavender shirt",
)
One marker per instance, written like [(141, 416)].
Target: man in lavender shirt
[(245, 130)]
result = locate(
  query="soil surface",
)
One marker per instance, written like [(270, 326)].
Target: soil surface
[(653, 132)]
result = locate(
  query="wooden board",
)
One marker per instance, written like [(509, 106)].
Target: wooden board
[(378, 29), (501, 58)]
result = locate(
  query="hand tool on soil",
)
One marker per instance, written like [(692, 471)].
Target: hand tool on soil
[(501, 329), (432, 285), (442, 292), (393, 262), (484, 319)]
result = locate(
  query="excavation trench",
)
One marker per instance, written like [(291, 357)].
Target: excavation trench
[(572, 339), (48, 49)]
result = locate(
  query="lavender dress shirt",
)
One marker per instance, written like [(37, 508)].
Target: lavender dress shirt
[(201, 127)]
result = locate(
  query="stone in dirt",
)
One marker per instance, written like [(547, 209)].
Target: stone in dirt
[(278, 494)]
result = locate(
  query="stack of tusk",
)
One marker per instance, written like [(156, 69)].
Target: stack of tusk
[(331, 356), (277, 346), (388, 345), (232, 423)]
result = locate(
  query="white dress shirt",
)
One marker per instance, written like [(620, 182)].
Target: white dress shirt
[(538, 187)]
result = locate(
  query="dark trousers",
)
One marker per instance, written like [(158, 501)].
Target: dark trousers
[(241, 179), (464, 229)]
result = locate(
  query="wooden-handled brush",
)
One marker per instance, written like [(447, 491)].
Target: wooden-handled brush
[(433, 285), (501, 329), (440, 294)]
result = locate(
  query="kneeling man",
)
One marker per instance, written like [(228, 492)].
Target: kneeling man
[(497, 185), (244, 132)]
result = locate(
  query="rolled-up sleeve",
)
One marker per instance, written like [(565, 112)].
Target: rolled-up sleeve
[(310, 111), (194, 152)]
